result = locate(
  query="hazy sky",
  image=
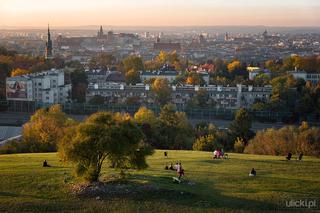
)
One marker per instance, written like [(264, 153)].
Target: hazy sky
[(160, 12)]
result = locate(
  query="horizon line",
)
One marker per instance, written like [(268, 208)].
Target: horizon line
[(155, 26)]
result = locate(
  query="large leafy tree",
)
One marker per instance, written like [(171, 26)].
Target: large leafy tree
[(45, 128), (132, 77), (241, 126), (161, 90), (102, 61), (145, 115), (104, 136), (174, 130), (79, 83), (283, 95), (132, 62), (206, 143)]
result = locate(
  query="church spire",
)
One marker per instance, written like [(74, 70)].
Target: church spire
[(100, 33), (48, 50)]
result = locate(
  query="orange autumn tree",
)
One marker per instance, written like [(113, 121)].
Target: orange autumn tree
[(18, 72), (45, 128)]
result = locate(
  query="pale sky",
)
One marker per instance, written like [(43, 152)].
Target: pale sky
[(159, 12)]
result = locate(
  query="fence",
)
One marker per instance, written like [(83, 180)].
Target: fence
[(192, 113)]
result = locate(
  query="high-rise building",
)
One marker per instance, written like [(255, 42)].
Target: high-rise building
[(48, 52)]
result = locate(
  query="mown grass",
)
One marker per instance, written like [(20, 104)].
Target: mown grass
[(209, 186)]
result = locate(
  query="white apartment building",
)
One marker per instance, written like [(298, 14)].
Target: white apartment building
[(44, 87), (314, 78)]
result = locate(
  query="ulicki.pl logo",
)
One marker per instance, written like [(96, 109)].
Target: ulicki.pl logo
[(301, 203)]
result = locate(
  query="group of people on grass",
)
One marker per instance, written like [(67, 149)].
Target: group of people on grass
[(253, 172), (219, 153), (178, 168), (289, 156)]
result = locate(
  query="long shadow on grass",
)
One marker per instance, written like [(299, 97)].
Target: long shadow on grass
[(280, 161), (18, 195), (215, 161), (8, 194), (188, 194)]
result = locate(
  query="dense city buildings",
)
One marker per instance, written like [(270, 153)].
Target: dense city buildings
[(229, 69), (195, 45)]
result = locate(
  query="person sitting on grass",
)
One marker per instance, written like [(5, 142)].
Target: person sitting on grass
[(165, 154), (215, 154), (171, 167), (45, 164), (176, 166), (223, 154), (180, 171), (289, 156), (252, 173)]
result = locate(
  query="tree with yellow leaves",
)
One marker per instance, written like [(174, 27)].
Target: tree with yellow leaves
[(234, 66), (18, 72), (145, 115), (161, 90), (45, 128)]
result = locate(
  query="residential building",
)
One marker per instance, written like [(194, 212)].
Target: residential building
[(254, 71), (44, 87), (168, 73), (221, 96), (314, 78), (97, 76)]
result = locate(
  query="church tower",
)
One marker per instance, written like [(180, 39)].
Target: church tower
[(100, 33), (48, 52)]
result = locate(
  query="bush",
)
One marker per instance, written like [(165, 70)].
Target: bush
[(14, 146), (206, 143), (42, 133), (239, 145), (287, 139)]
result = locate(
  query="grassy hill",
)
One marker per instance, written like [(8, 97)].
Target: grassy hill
[(210, 185)]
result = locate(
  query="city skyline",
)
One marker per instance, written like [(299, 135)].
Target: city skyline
[(155, 13)]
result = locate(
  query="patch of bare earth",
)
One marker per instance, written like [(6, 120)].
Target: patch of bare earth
[(126, 189)]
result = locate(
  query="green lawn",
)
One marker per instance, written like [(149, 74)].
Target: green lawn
[(209, 186)]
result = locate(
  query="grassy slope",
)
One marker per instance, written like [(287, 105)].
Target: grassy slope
[(221, 185)]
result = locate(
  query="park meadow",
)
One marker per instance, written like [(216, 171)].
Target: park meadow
[(209, 185)]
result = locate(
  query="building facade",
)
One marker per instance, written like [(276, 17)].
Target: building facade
[(45, 87), (226, 97), (314, 78)]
